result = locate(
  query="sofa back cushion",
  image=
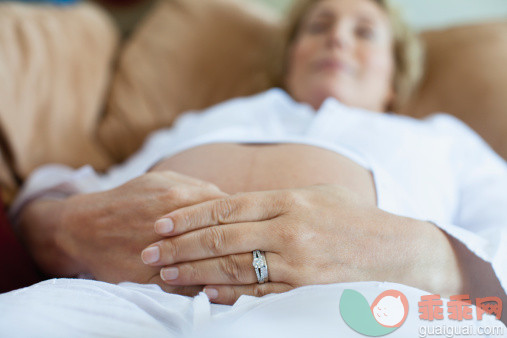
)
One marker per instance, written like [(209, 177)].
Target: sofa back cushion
[(466, 75), (55, 67), (187, 54)]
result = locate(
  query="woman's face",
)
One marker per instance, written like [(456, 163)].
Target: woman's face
[(344, 49)]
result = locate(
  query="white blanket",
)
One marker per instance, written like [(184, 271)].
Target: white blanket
[(86, 308)]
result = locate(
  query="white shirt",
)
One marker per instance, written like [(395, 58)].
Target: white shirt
[(436, 169)]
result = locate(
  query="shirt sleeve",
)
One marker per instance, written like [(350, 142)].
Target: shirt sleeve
[(53, 182), (56, 181), (480, 222)]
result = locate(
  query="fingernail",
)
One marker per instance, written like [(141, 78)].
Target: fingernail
[(150, 255), (211, 293), (169, 273), (164, 226)]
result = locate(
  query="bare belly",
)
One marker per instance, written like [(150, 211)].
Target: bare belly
[(254, 167)]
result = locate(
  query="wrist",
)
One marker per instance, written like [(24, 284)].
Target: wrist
[(40, 224), (437, 268)]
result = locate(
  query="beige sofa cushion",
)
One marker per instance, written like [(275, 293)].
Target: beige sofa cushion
[(55, 65), (466, 75), (188, 54)]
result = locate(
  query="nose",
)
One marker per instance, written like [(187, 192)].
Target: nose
[(339, 37)]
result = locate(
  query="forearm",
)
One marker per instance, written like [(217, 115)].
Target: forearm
[(447, 267), (479, 277), (39, 226), (418, 254), (439, 269)]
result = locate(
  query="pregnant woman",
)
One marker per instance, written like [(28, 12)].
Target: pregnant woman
[(314, 183)]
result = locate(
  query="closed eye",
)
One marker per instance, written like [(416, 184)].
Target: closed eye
[(318, 27), (365, 32)]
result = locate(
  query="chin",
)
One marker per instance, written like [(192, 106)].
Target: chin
[(321, 93)]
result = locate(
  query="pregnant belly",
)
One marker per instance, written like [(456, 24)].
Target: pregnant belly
[(254, 167)]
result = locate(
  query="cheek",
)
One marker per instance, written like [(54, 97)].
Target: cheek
[(377, 64), (301, 56)]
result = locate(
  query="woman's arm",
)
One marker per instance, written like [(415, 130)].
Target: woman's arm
[(37, 228), (436, 268), (478, 232), (103, 233), (314, 235)]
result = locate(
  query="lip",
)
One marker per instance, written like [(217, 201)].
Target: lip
[(331, 64)]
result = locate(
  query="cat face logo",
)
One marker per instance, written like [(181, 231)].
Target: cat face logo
[(390, 308), (386, 314)]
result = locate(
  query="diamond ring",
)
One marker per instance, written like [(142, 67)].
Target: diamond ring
[(260, 265)]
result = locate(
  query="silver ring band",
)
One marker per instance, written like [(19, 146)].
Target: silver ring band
[(260, 266)]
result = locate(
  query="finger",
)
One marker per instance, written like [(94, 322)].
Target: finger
[(174, 176), (229, 294), (214, 241), (229, 270), (183, 195), (244, 207)]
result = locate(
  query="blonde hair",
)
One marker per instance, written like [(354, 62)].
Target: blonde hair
[(407, 49)]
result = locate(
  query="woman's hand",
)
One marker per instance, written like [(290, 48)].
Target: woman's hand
[(315, 235), (104, 233)]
